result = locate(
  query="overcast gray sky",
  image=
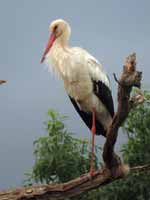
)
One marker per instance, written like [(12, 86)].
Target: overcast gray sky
[(109, 30)]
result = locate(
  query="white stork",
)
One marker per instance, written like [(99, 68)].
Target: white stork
[(84, 79)]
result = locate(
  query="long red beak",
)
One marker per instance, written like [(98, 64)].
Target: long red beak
[(49, 45)]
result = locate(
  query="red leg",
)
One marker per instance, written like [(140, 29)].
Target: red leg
[(93, 130)]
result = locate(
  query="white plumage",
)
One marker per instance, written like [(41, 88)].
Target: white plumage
[(78, 69), (84, 79)]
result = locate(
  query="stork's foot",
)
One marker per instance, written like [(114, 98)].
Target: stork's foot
[(92, 174), (92, 171)]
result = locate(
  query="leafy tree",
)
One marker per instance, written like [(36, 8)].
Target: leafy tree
[(59, 156)]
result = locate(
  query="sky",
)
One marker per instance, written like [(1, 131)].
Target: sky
[(109, 30)]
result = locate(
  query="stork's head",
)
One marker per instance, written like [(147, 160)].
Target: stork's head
[(59, 30)]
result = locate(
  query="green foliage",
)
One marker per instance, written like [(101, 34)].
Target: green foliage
[(59, 157), (137, 128)]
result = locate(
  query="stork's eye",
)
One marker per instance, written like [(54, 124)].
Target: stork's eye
[(55, 27)]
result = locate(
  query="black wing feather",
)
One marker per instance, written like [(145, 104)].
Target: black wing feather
[(87, 118), (104, 94)]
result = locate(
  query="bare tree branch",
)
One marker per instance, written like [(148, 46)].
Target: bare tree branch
[(129, 78)]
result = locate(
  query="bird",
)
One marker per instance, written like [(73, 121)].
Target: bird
[(85, 81)]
